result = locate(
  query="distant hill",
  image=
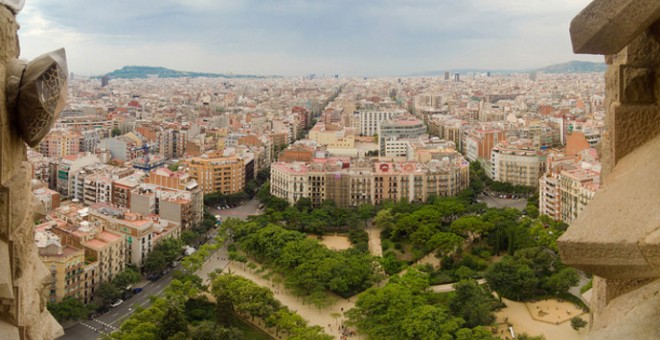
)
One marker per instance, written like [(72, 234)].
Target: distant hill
[(568, 67), (132, 72), (574, 67)]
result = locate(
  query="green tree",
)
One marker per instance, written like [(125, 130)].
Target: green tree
[(68, 309), (108, 292), (365, 212), (156, 262), (173, 322), (561, 281), (512, 279), (445, 243), (304, 204), (116, 132), (188, 237), (430, 322), (126, 277), (472, 303), (471, 226), (577, 323)]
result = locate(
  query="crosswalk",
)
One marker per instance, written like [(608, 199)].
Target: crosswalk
[(102, 327)]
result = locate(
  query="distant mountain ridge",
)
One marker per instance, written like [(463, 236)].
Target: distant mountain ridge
[(133, 72), (573, 66)]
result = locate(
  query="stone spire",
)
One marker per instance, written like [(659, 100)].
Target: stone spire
[(23, 277)]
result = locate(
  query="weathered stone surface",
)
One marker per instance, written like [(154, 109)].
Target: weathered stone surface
[(633, 315), (23, 313), (605, 239), (637, 86), (607, 26), (633, 126)]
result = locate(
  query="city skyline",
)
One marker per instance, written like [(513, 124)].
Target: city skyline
[(300, 37)]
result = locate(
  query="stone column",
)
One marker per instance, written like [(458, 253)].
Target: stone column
[(23, 277), (617, 236)]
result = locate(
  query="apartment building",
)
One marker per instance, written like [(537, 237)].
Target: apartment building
[(60, 143), (480, 142), (172, 205), (121, 189), (517, 162), (351, 183), (137, 230), (576, 189), (394, 133), (370, 119), (65, 263), (180, 181), (218, 174), (104, 251), (67, 168)]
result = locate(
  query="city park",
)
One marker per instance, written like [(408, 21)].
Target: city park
[(450, 268)]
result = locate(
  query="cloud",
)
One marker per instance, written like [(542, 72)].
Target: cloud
[(301, 36)]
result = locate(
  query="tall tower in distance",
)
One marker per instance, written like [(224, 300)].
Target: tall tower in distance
[(457, 77), (446, 75)]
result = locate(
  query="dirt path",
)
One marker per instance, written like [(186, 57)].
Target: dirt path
[(449, 287), (375, 247), (310, 313)]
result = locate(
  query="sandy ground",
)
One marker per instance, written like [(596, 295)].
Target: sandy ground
[(334, 242), (375, 247), (553, 311), (429, 259), (517, 314)]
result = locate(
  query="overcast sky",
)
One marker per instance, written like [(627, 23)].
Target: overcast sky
[(294, 37)]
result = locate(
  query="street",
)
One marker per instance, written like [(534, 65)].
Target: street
[(110, 321), (492, 202), (242, 211)]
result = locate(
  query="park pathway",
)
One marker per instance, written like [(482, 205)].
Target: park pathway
[(314, 316), (375, 247)]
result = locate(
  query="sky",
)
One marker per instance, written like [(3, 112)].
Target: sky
[(296, 37)]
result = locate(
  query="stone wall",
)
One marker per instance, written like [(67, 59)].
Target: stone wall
[(617, 237), (23, 277)]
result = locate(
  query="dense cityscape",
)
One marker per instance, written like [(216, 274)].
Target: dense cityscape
[(319, 170), (308, 199)]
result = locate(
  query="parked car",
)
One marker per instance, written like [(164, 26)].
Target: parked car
[(137, 290), (116, 303)]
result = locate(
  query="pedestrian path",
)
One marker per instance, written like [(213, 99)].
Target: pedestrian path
[(322, 317)]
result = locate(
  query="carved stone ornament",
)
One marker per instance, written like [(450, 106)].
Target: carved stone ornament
[(36, 94), (15, 5)]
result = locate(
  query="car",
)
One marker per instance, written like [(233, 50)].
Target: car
[(137, 290), (116, 303)]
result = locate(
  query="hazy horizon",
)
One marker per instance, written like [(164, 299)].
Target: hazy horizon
[(287, 38)]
